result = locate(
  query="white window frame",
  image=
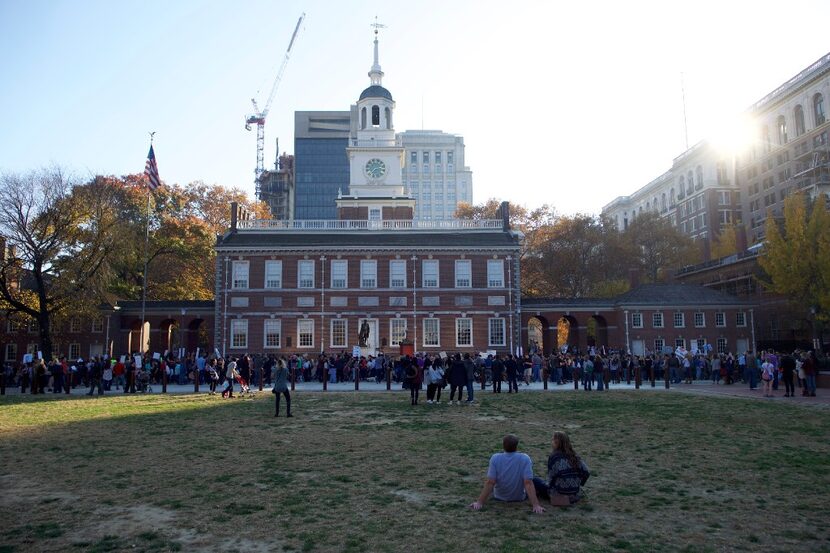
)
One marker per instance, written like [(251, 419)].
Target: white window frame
[(702, 323), (97, 325), (75, 325), (273, 274), (309, 324), (239, 327), (240, 275), (701, 344), (679, 343), (333, 333), (463, 276), (368, 273), (339, 266), (654, 319), (495, 273), (427, 332), (77, 350), (305, 283), (397, 273), (33, 326), (722, 345), (720, 319), (396, 325), (659, 344), (636, 320), (272, 323), (490, 331), (680, 317), (11, 348), (459, 322), (428, 272), (740, 319)]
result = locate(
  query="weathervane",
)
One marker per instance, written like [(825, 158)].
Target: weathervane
[(377, 25), (152, 134)]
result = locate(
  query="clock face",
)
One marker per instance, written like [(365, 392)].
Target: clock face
[(375, 168)]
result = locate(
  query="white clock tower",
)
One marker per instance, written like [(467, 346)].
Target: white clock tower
[(375, 157)]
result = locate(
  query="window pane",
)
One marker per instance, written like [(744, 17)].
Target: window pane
[(273, 333), (464, 332), (397, 331), (397, 274), (240, 274), (430, 273), (305, 333), (339, 272), (463, 273), (368, 273), (338, 333), (239, 333), (305, 273), (273, 274), (431, 334), (497, 332), (495, 273)]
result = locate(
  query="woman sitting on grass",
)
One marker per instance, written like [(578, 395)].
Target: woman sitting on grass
[(567, 473)]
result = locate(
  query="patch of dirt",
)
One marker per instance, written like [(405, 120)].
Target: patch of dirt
[(410, 496)]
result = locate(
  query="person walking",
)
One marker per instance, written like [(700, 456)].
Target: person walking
[(498, 373), (281, 387), (230, 375), (95, 375), (212, 376), (512, 368), (457, 378)]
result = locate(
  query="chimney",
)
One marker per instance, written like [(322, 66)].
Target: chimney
[(234, 214), (504, 211)]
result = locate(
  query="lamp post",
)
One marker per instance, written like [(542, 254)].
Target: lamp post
[(414, 259), (509, 260), (323, 304)]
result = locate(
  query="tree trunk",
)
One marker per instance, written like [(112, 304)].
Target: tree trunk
[(44, 326)]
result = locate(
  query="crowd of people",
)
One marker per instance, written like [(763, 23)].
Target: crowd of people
[(461, 373)]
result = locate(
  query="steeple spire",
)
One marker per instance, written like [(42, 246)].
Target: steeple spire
[(375, 74)]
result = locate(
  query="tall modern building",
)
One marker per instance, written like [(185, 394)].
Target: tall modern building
[(321, 167), (435, 173), (276, 188)]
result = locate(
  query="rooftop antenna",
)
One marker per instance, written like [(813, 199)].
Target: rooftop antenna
[(685, 123)]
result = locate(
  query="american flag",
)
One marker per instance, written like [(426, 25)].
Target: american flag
[(151, 170)]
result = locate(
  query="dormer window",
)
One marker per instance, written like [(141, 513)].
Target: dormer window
[(375, 116)]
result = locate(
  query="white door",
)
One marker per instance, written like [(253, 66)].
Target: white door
[(742, 345), (638, 347), (373, 340), (95, 350)]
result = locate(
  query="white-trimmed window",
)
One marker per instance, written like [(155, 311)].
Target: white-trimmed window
[(679, 343), (700, 320), (720, 319), (375, 214), (637, 320), (339, 273), (430, 273), (34, 327), (338, 333), (432, 334), (657, 320), (368, 273), (74, 351), (722, 345), (740, 318), (11, 352), (240, 271), (75, 325), (495, 273), (273, 333), (397, 331), (463, 273), (273, 273), (97, 325), (397, 273), (701, 345), (239, 333), (496, 334), (659, 343), (305, 333), (305, 273), (679, 320), (463, 332), (13, 325)]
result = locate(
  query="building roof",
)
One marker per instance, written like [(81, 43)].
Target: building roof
[(164, 305), (370, 239), (689, 295), (376, 91)]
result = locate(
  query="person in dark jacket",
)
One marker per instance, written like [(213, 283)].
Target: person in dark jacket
[(414, 377), (457, 378), (498, 373), (788, 366), (470, 371), (567, 473), (512, 372), (281, 387)]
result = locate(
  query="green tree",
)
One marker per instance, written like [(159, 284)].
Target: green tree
[(796, 256)]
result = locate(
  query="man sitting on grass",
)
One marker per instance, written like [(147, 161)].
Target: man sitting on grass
[(509, 477)]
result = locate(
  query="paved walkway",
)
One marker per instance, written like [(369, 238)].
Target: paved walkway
[(701, 387)]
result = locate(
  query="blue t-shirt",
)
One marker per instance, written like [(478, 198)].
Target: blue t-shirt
[(510, 470)]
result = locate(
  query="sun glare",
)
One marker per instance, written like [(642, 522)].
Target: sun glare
[(735, 136)]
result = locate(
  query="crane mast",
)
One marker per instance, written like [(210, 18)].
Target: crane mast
[(258, 117)]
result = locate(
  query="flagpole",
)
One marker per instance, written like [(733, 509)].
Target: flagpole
[(146, 262)]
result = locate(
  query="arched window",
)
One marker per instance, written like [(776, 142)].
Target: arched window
[(699, 177), (663, 206), (654, 203), (765, 138), (363, 118), (682, 193), (782, 130), (671, 197), (388, 118), (818, 109), (375, 116), (799, 120), (690, 184), (648, 206)]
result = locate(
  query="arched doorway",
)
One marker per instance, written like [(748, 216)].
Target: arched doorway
[(597, 331), (536, 328), (134, 336), (567, 333), (170, 335), (198, 336)]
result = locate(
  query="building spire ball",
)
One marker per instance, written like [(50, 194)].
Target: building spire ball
[(375, 74)]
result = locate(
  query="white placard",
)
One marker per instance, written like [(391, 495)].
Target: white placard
[(137, 360), (356, 351), (40, 354), (156, 356), (123, 359), (27, 358)]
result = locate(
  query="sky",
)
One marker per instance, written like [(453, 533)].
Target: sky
[(566, 103)]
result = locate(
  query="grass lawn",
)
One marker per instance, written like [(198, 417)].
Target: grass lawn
[(367, 472)]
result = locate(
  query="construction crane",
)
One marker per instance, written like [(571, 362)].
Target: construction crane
[(258, 117)]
